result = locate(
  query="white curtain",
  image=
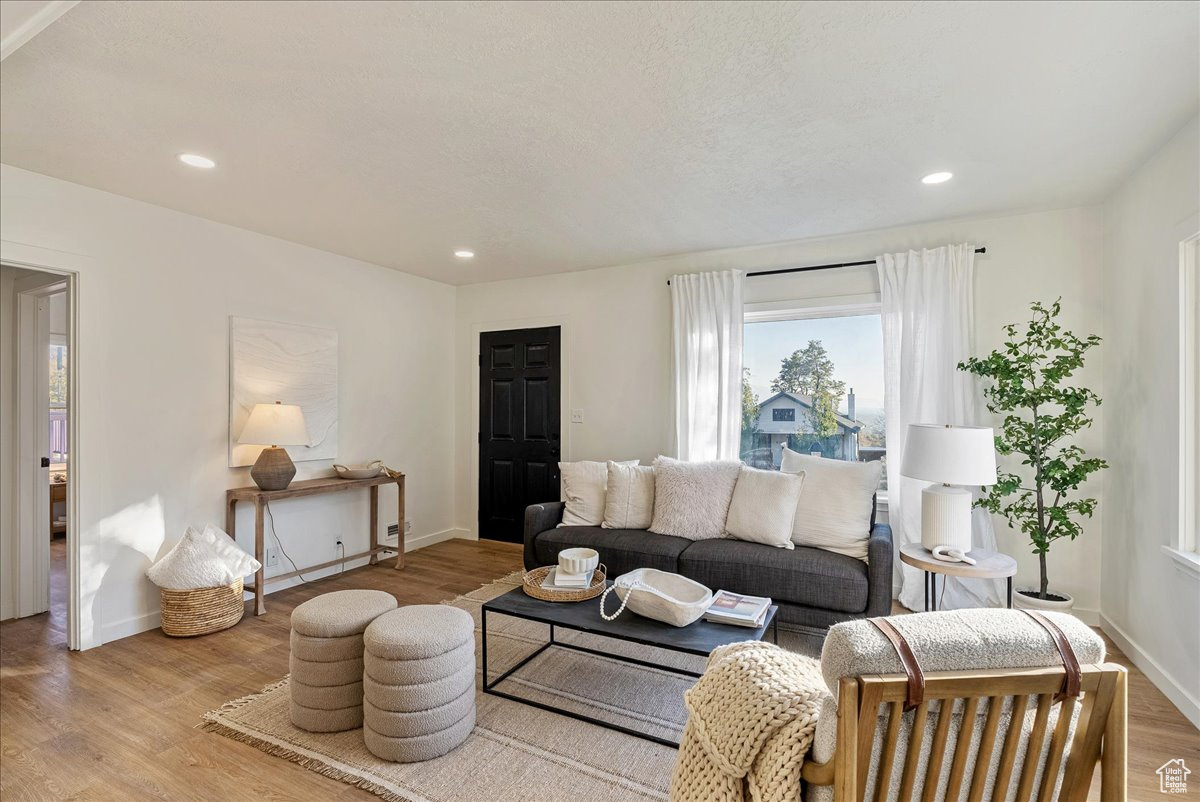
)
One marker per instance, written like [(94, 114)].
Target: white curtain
[(706, 315), (928, 328)]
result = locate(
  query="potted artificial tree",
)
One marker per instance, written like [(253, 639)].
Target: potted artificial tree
[(1041, 414)]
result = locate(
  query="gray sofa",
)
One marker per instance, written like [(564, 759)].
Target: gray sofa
[(813, 587)]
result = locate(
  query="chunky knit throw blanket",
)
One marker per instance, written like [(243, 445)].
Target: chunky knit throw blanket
[(751, 720)]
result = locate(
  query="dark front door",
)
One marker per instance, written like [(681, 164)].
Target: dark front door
[(518, 427)]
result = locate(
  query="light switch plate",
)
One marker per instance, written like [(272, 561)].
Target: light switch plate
[(577, 416)]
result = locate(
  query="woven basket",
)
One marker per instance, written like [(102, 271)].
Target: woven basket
[(533, 586), (200, 611)]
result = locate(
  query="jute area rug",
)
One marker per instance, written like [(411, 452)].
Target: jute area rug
[(516, 752)]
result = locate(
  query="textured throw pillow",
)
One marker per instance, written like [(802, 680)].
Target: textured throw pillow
[(763, 508), (629, 503), (834, 512), (583, 489), (691, 499), (205, 559)]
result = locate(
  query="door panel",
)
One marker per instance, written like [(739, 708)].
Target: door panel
[(519, 399)]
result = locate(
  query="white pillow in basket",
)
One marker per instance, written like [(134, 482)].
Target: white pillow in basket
[(834, 512), (763, 508), (629, 503), (691, 499), (583, 489), (207, 559)]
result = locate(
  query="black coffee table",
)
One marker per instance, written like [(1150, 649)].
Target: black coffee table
[(698, 638)]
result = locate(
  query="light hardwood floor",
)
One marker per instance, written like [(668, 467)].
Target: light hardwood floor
[(119, 722)]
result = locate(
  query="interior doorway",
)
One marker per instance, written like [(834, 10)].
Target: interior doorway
[(37, 482), (519, 419)]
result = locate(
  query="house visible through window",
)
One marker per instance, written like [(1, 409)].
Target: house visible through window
[(813, 382)]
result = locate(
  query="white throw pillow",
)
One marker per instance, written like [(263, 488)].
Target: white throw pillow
[(583, 489), (629, 503), (763, 508), (205, 559), (834, 512), (691, 499)]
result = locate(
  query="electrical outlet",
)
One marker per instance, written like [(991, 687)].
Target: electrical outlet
[(272, 558), (408, 527), (577, 416)]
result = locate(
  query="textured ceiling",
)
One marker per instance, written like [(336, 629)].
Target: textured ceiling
[(562, 136)]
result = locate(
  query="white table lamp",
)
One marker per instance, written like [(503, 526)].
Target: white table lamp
[(949, 456), (274, 425)]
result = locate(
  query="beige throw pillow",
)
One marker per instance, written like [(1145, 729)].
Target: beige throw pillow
[(834, 511), (629, 500), (583, 489), (763, 508)]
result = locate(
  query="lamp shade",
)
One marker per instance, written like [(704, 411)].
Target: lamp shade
[(952, 455), (275, 425)]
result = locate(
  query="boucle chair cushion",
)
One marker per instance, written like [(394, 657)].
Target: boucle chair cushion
[(954, 640), (313, 720), (419, 722), (340, 672), (341, 613), (422, 747), (418, 632), (419, 672), (411, 698), (691, 499), (329, 697), (326, 650)]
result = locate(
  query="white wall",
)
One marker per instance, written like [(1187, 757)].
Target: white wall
[(156, 290), (1151, 605), (616, 338)]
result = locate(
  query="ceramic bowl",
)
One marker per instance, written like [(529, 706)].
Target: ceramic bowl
[(368, 471), (578, 561)]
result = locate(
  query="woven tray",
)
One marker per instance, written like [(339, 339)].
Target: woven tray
[(186, 613), (535, 578)]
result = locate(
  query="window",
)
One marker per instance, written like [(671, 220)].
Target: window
[(58, 402), (813, 382)]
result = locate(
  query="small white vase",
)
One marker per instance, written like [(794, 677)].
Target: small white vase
[(1023, 602)]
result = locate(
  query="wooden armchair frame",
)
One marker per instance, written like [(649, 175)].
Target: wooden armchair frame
[(1100, 736)]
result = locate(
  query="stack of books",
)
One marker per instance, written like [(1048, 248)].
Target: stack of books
[(739, 610), (557, 579)]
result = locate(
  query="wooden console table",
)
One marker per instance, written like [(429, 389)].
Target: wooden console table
[(310, 487)]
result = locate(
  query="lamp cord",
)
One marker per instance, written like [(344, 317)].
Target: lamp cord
[(279, 543)]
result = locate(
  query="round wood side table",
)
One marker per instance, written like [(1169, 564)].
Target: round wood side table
[(988, 565)]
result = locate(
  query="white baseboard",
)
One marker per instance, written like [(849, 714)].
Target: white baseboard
[(129, 626), (1179, 696), (142, 623)]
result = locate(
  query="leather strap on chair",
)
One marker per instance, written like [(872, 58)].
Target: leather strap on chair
[(1074, 676), (916, 677)]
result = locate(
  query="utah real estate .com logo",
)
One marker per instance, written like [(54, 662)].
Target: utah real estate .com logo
[(1172, 777)]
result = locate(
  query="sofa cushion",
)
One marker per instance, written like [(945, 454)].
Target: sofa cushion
[(812, 577), (621, 550)]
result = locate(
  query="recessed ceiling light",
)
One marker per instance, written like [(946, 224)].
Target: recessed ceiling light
[(193, 160), (937, 178), (465, 254)]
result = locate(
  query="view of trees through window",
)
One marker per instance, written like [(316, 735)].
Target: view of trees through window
[(58, 403), (814, 385)]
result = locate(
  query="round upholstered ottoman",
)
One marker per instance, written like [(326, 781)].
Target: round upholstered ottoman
[(326, 659), (418, 682)]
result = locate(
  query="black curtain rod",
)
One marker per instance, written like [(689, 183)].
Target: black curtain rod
[(818, 267)]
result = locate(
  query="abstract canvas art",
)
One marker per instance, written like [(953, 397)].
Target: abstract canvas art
[(270, 362)]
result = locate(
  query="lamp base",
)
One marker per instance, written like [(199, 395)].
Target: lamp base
[(274, 469), (946, 517)]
